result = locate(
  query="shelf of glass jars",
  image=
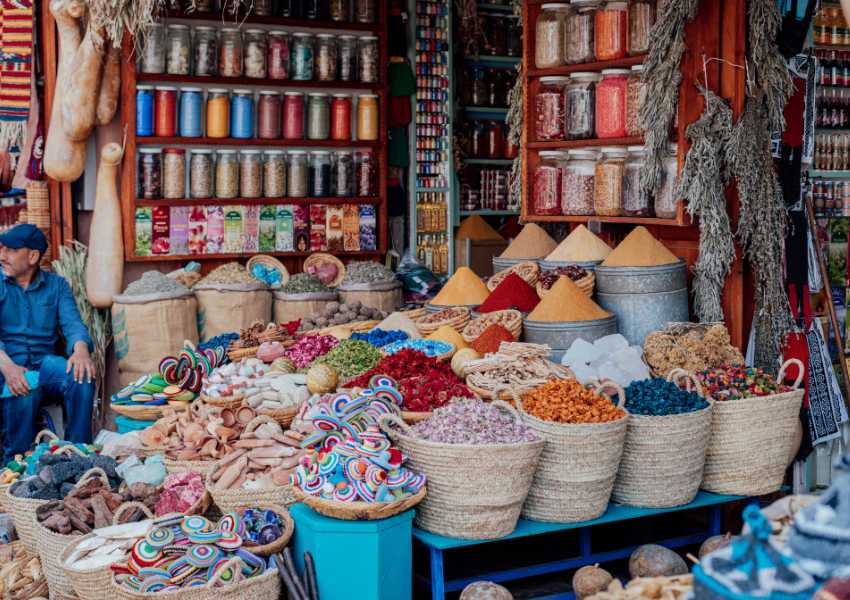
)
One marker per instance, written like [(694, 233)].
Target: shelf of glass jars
[(335, 200), (232, 255), (204, 141), (485, 112), (558, 144), (830, 174), (301, 24), (490, 162), (620, 63), (283, 84), (679, 221)]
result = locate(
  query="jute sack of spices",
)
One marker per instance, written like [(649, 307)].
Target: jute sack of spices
[(226, 307)]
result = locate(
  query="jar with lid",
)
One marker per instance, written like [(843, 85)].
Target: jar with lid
[(581, 24), (549, 34), (347, 58), (340, 10), (666, 205), (269, 115), (342, 176), (478, 140), (480, 91), (611, 103), (641, 20), (318, 117), (165, 111), (636, 202), (278, 60), (230, 53), (341, 117), (263, 8), (293, 115), (218, 113), (274, 174), (316, 9), (150, 174), (320, 174), (497, 87), (205, 51), (635, 96), (242, 114), (301, 53), (177, 49), (153, 54), (367, 59), (200, 174), (226, 174), (367, 117), (250, 174), (365, 11), (608, 191), (144, 110), (513, 46), (495, 139), (365, 174), (256, 52), (190, 112), (294, 9), (547, 183), (497, 35), (550, 105), (173, 173), (611, 30), (581, 105), (297, 180), (326, 57), (579, 182), (204, 5)]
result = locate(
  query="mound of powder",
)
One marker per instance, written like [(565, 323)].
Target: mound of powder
[(564, 303), (640, 249), (464, 287), (477, 229), (581, 245), (532, 242)]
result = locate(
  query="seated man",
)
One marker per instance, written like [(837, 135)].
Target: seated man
[(34, 307)]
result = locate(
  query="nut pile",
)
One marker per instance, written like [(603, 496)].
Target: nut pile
[(471, 421), (509, 319), (549, 277), (691, 347), (341, 313), (567, 401)]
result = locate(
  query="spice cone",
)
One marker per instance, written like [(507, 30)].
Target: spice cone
[(450, 335), (463, 288), (566, 302), (477, 229), (640, 249), (581, 245), (532, 242)]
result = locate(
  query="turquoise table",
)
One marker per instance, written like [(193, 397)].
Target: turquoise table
[(438, 545)]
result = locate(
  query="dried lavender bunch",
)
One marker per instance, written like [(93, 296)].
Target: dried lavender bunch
[(768, 66), (702, 184)]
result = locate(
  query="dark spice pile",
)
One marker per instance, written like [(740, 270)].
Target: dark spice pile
[(550, 276)]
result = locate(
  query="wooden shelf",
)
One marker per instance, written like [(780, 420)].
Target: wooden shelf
[(266, 84), (620, 63), (559, 144), (255, 201), (484, 212), (205, 141), (504, 8), (235, 255), (226, 21), (493, 162), (601, 219)]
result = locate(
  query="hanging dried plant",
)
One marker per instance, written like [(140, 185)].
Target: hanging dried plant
[(768, 66), (470, 31), (516, 121), (132, 16), (662, 76), (703, 184)]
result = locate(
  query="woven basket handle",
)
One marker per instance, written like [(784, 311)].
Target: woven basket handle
[(128, 505), (801, 372), (691, 381), (93, 472), (189, 345), (516, 409), (70, 449), (45, 433), (600, 387), (387, 421), (257, 421), (233, 565), (507, 407)]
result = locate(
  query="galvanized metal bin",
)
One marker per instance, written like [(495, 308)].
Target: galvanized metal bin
[(500, 264), (587, 265), (560, 336)]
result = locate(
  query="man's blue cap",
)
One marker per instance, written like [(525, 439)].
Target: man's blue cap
[(24, 236)]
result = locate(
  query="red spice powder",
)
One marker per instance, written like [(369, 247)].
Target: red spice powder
[(491, 338), (514, 293)]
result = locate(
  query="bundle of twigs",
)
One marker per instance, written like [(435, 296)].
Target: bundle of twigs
[(299, 587)]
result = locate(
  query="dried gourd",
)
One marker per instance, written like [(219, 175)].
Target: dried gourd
[(105, 262), (110, 87), (80, 96)]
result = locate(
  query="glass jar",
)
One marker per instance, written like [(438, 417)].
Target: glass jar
[(256, 52), (297, 180), (230, 53), (577, 186), (205, 52), (269, 115), (347, 58), (278, 60), (636, 202), (293, 115), (666, 206), (608, 190), (274, 174), (480, 92), (342, 177), (153, 54), (315, 9), (550, 108), (242, 114), (294, 9), (581, 105), (190, 112), (150, 174), (201, 174), (547, 183), (250, 174), (581, 24), (263, 8), (165, 111), (226, 174), (478, 140), (549, 32), (367, 117), (204, 5), (144, 110), (302, 57), (495, 139), (611, 29), (177, 49), (497, 35), (365, 174), (318, 117), (340, 10), (320, 174), (326, 57), (367, 59), (173, 173), (341, 117), (641, 20), (611, 103), (365, 11), (218, 113), (514, 31)]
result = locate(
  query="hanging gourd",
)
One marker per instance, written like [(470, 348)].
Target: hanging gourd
[(105, 263)]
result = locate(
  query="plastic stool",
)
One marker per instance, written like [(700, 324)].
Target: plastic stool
[(366, 560)]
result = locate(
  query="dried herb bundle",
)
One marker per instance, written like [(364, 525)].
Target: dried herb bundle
[(117, 16), (702, 184), (768, 66), (515, 121), (470, 30)]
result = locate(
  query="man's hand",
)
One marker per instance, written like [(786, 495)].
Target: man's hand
[(15, 379), (81, 362)]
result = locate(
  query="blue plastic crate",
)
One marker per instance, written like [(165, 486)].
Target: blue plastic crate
[(366, 560), (126, 424)]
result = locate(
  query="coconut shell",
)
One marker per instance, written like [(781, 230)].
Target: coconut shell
[(485, 590), (652, 560), (714, 543), (590, 580)]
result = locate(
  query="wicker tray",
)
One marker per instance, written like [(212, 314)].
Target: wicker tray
[(358, 511), (456, 318), (320, 257), (138, 413), (527, 271), (284, 416), (233, 402), (270, 262)]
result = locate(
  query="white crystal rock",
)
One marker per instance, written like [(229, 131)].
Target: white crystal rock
[(611, 343), (580, 352)]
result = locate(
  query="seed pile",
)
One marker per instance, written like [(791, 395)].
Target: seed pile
[(341, 313), (734, 382), (549, 277), (367, 272), (567, 401), (229, 273), (351, 358), (154, 282), (659, 397), (303, 283), (472, 421)]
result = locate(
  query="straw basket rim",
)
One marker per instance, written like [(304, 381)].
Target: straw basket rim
[(138, 413), (285, 536), (269, 261), (320, 257), (283, 416), (358, 511), (412, 417), (229, 402)]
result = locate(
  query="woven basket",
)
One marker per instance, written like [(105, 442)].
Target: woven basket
[(320, 257), (270, 262), (474, 491), (457, 318), (180, 466), (411, 417), (92, 584), (575, 476), (586, 284), (752, 440), (138, 413), (232, 403), (509, 319), (527, 271), (358, 511), (663, 457), (237, 354), (281, 542), (284, 416), (22, 511)]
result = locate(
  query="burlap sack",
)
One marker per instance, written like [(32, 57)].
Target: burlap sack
[(289, 307), (149, 327), (224, 308), (385, 295)]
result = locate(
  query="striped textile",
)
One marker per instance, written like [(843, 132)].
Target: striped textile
[(16, 54)]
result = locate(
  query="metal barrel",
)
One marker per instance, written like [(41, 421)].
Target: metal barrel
[(588, 265), (560, 336), (641, 280), (500, 264)]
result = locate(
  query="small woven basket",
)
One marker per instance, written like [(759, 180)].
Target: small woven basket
[(457, 318), (269, 262), (233, 402), (283, 416), (286, 534), (138, 412), (318, 258), (586, 284), (509, 319), (22, 511), (527, 271), (358, 511)]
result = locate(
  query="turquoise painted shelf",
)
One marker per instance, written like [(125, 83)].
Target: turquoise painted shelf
[(496, 62), (485, 112), (493, 162), (505, 8), (830, 174)]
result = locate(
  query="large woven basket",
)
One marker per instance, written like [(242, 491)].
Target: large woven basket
[(474, 491), (22, 511), (663, 458), (43, 435), (358, 511), (752, 440), (575, 476), (92, 584)]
